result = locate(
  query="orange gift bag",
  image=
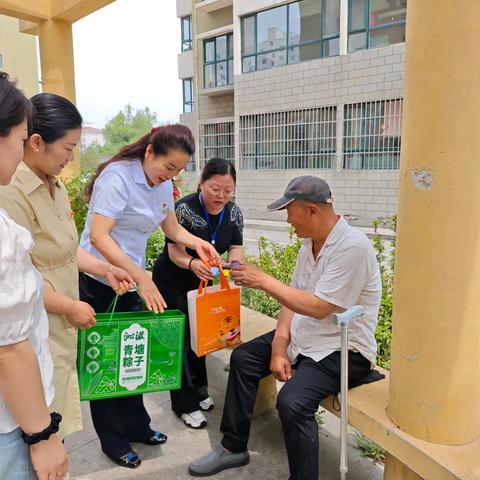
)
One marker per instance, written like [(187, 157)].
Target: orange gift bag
[(214, 316)]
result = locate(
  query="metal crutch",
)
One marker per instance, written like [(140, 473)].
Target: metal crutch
[(344, 319)]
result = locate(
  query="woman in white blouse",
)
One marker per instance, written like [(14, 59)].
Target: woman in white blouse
[(26, 389)]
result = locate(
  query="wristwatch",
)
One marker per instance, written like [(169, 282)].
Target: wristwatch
[(31, 439)]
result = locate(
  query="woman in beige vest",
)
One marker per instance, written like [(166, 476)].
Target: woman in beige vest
[(37, 200)]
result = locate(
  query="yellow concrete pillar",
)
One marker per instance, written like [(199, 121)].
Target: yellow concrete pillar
[(435, 369), (396, 470), (57, 65)]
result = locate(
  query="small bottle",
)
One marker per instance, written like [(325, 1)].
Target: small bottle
[(216, 275)]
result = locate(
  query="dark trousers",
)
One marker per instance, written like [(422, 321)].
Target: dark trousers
[(117, 421), (194, 375), (297, 401)]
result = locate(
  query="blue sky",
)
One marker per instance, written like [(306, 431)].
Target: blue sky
[(127, 53)]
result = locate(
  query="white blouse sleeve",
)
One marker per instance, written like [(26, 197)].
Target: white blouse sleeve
[(21, 286)]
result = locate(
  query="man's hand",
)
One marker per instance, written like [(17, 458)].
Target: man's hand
[(248, 276), (49, 459), (281, 368)]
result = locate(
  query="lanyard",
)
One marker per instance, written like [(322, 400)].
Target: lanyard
[(213, 235)]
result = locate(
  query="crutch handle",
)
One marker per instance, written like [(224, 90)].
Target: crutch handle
[(344, 318)]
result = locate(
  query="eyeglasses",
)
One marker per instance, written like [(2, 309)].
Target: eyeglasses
[(217, 191)]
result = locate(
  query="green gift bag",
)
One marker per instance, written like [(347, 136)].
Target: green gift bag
[(129, 353)]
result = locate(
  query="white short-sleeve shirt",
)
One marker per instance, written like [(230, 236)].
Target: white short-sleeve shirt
[(22, 312), (121, 192), (345, 273)]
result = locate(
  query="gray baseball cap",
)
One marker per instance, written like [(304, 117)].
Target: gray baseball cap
[(306, 187)]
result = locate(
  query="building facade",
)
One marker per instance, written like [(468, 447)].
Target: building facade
[(18, 56), (91, 136), (291, 88)]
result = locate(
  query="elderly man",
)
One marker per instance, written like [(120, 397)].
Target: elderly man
[(336, 269)]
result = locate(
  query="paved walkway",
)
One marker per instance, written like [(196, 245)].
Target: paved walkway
[(170, 462)]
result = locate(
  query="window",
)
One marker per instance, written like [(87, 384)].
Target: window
[(186, 33), (218, 61), (216, 140), (1, 60), (297, 139), (375, 23), (297, 32), (372, 135), (187, 95), (191, 165)]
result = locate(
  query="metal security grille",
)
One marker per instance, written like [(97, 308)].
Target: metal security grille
[(191, 166), (372, 135), (297, 139), (216, 140)]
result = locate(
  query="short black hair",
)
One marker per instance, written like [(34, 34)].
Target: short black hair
[(53, 117), (218, 166), (14, 106)]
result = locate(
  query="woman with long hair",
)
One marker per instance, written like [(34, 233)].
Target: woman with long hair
[(130, 196), (29, 446)]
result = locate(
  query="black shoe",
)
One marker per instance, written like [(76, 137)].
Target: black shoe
[(130, 460), (158, 438)]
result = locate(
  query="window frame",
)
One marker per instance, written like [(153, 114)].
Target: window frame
[(186, 42), (287, 154), (192, 101), (215, 62), (367, 29), (322, 41), (366, 148)]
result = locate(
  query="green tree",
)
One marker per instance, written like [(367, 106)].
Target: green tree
[(89, 158), (125, 127)]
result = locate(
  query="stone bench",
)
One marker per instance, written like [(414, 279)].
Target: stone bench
[(255, 324)]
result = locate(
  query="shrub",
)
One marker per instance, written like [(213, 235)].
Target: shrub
[(278, 261), (154, 247), (383, 332), (76, 191)]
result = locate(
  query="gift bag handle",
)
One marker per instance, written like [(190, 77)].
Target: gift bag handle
[(112, 306), (224, 285)]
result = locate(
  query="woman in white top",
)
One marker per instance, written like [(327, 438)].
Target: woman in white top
[(26, 367), (130, 196)]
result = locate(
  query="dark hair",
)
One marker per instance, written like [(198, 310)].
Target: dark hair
[(14, 106), (53, 117), (218, 166), (163, 139)]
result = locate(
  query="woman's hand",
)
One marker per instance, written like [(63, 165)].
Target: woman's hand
[(81, 315), (201, 270), (120, 280), (150, 294), (49, 459), (207, 253)]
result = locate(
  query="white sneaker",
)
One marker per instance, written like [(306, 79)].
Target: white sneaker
[(207, 404), (194, 420)]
